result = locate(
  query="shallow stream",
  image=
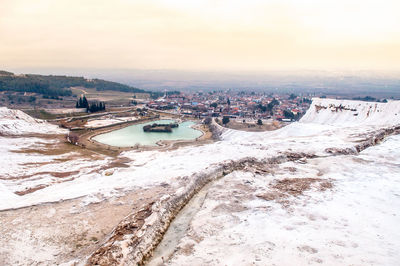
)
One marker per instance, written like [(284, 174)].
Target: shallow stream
[(178, 228)]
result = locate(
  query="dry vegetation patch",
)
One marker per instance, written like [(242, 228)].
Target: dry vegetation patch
[(282, 190), (30, 190)]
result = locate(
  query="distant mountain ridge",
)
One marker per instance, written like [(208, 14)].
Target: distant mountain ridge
[(5, 73), (57, 85)]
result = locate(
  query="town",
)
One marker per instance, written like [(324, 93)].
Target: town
[(245, 106)]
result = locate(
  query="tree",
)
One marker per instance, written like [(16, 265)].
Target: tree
[(207, 120), (270, 105), (225, 120), (96, 106), (292, 96), (366, 98), (72, 138), (288, 114), (228, 102), (82, 103), (262, 107), (259, 122), (274, 102), (85, 103), (214, 105)]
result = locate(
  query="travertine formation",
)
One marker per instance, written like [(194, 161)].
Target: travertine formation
[(267, 170)]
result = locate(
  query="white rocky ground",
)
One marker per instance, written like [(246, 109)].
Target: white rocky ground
[(297, 223), (16, 122), (94, 123), (248, 218), (154, 167)]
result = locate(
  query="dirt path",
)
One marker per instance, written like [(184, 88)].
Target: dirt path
[(66, 231)]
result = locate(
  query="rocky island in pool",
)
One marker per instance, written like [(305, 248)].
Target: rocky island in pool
[(160, 127)]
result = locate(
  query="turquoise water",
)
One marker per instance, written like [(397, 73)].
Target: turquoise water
[(129, 136)]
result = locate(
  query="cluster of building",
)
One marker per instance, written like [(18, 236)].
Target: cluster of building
[(287, 107)]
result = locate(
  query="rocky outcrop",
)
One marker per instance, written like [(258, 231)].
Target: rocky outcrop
[(160, 127), (370, 139)]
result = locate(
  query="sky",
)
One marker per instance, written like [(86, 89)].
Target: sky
[(209, 35)]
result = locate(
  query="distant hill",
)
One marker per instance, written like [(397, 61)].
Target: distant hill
[(2, 72), (57, 85)]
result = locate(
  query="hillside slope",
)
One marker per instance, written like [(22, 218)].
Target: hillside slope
[(352, 113), (55, 86), (16, 122)]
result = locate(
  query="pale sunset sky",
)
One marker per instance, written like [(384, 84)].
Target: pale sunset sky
[(201, 35)]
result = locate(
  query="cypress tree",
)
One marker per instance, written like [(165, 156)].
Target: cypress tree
[(85, 102)]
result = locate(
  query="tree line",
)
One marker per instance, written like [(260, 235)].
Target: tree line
[(269, 107), (90, 107), (369, 99), (56, 85), (31, 84)]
